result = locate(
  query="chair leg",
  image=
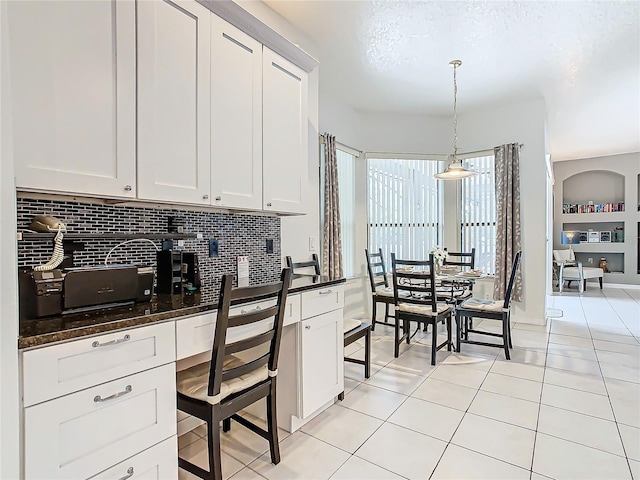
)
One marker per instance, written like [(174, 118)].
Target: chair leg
[(213, 437), (466, 328), (509, 321), (226, 425), (373, 315), (458, 333), (434, 342), (367, 356), (505, 335), (272, 424), (600, 280), (341, 396), (386, 313), (584, 285), (396, 342), (449, 342)]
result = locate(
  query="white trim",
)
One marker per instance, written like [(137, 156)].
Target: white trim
[(621, 285), (406, 156), (349, 150)]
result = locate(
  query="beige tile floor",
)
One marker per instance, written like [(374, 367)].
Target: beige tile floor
[(567, 406)]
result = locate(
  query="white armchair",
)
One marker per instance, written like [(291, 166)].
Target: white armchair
[(571, 270)]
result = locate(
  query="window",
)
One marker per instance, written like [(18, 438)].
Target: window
[(478, 215), (404, 206)]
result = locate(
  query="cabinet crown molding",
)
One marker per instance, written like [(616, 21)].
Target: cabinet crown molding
[(240, 18)]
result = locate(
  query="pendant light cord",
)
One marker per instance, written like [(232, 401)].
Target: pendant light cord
[(455, 113)]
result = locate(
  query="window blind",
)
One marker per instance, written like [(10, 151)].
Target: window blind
[(404, 200), (346, 183), (478, 214)]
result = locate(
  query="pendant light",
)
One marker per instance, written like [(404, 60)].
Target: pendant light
[(455, 170)]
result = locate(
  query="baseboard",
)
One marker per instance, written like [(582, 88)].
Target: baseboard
[(622, 285)]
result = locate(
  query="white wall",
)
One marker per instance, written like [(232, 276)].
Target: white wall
[(522, 122), (9, 413)]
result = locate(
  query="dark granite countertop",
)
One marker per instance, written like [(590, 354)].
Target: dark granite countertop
[(42, 331)]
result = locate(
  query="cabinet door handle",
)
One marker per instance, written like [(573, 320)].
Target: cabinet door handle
[(128, 188), (128, 475), (269, 204), (307, 327), (205, 197), (257, 309), (126, 390), (218, 198), (126, 338), (326, 292)]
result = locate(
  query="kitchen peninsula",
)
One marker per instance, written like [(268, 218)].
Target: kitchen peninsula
[(113, 371)]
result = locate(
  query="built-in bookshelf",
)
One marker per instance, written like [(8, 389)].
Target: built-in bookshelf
[(599, 204), (591, 207)]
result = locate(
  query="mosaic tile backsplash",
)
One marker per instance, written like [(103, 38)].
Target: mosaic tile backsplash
[(237, 234)]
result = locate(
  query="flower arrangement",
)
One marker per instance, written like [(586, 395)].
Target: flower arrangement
[(438, 253)]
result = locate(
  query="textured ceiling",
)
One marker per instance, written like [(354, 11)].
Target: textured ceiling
[(583, 57)]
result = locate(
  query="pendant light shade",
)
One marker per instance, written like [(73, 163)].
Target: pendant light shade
[(455, 170)]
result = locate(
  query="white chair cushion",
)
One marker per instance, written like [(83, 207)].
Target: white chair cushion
[(351, 324), (422, 310), (562, 256), (572, 273), (194, 381), (483, 305)]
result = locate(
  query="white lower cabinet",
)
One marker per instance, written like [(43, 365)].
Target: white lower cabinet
[(81, 434), (311, 364), (159, 462), (322, 368)]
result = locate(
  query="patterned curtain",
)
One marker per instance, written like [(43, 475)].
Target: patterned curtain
[(331, 236), (508, 242)]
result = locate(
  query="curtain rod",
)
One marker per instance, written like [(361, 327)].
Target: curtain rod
[(482, 152), (354, 151)]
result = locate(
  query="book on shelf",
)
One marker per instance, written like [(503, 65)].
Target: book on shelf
[(592, 207)]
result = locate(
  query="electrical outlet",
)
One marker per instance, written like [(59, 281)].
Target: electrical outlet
[(590, 260), (269, 245), (213, 247)]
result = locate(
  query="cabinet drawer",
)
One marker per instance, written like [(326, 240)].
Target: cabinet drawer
[(194, 335), (322, 300), (159, 462), (79, 435), (51, 372)]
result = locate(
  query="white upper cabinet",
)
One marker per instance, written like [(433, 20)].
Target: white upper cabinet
[(236, 117), (284, 146), (173, 101), (72, 70)]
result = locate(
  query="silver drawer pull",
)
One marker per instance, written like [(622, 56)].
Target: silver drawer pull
[(327, 292), (112, 342), (128, 475), (126, 390), (257, 309)]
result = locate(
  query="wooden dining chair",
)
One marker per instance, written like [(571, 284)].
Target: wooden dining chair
[(461, 259), (313, 263), (420, 304), (492, 310), (239, 373), (381, 292)]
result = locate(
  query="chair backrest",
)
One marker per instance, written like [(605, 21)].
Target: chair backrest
[(418, 286), (376, 269), (314, 262), (461, 259), (270, 319), (565, 255), (512, 280)]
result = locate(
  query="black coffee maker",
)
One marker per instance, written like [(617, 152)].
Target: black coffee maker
[(178, 271)]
